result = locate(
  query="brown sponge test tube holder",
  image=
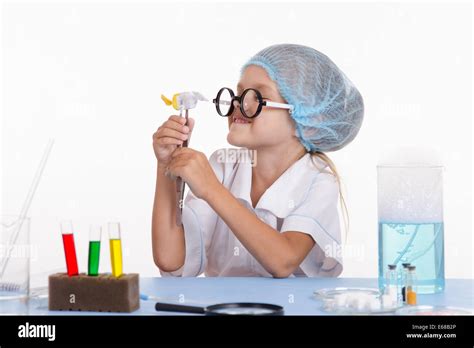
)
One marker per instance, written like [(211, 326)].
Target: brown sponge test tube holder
[(102, 293)]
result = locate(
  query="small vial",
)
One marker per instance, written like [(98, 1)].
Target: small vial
[(115, 248), (69, 248), (95, 234), (403, 280), (391, 287), (411, 285)]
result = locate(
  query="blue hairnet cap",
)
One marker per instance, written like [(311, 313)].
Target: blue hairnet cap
[(328, 109)]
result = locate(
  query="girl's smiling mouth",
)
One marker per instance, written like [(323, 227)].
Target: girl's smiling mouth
[(239, 120)]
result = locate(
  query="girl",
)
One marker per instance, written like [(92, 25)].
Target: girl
[(277, 214)]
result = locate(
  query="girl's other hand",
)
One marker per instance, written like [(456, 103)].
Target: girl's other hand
[(169, 136), (194, 168)]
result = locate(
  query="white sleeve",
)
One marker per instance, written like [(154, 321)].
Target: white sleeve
[(318, 217), (199, 221)]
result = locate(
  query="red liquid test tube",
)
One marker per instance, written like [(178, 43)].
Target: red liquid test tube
[(69, 248)]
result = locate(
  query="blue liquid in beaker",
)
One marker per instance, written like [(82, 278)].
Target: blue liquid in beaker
[(421, 244)]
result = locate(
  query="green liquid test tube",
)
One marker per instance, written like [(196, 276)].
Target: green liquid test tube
[(94, 250)]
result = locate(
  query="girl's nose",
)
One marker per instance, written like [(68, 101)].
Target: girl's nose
[(236, 104)]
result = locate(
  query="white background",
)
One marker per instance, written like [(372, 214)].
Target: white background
[(90, 76)]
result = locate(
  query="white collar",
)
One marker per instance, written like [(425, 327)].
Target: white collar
[(286, 193)]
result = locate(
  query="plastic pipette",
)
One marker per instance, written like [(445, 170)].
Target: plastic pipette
[(183, 101)]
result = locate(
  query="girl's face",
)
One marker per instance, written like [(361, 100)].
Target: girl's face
[(272, 126)]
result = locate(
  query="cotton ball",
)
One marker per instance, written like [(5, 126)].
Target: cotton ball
[(374, 304), (387, 301), (364, 302), (352, 299), (329, 304), (361, 303), (340, 300)]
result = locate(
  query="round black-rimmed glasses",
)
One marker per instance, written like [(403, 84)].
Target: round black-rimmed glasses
[(251, 102)]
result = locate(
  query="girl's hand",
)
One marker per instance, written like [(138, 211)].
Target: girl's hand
[(194, 168), (169, 136)]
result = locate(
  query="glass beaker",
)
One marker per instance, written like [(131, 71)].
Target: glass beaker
[(15, 253), (410, 226)]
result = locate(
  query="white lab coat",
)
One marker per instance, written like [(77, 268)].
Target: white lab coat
[(302, 199)]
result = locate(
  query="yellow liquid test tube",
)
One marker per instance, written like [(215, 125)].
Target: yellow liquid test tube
[(115, 248)]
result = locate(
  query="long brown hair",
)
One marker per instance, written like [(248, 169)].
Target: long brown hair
[(332, 166)]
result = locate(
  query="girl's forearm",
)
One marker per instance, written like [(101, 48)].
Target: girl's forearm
[(271, 248), (167, 238)]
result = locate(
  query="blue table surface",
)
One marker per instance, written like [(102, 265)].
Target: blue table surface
[(294, 294)]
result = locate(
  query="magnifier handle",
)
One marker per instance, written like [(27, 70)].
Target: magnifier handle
[(168, 307)]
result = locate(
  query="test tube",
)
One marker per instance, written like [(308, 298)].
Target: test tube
[(411, 286), (95, 233), (115, 248), (69, 248), (403, 278), (392, 283)]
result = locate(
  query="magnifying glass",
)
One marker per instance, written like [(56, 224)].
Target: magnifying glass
[(242, 308)]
